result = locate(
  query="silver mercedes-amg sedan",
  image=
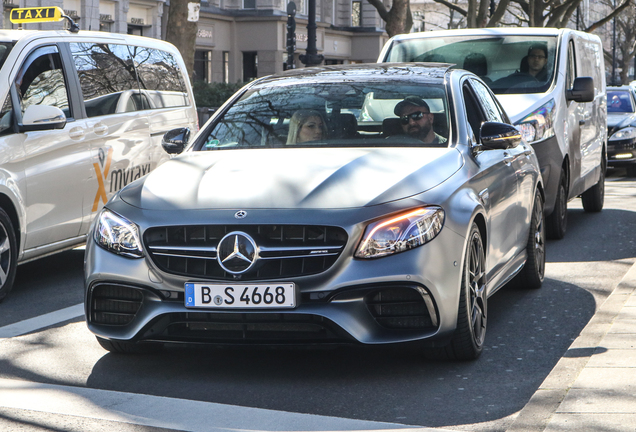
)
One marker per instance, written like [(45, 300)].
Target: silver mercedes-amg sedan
[(367, 204)]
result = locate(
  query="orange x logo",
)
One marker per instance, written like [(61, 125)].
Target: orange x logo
[(101, 177)]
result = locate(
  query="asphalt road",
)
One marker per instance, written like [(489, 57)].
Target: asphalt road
[(528, 332)]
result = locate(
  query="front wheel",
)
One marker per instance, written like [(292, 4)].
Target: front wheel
[(531, 275), (557, 222), (8, 254), (594, 197), (467, 342)]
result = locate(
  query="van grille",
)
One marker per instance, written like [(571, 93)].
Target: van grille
[(285, 250)]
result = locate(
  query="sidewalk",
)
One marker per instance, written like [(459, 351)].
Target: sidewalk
[(593, 387)]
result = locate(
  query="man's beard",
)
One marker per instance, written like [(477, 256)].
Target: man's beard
[(421, 132)]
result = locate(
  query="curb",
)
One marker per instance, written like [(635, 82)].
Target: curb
[(537, 413)]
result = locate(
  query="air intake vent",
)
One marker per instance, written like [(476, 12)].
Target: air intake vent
[(114, 305), (284, 250), (400, 308)]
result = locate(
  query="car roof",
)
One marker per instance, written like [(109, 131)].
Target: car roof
[(66, 36), (425, 72), (499, 31)]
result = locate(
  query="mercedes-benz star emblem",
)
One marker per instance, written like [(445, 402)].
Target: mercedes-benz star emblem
[(237, 252), (241, 214)]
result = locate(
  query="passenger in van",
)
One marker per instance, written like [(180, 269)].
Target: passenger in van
[(477, 64), (536, 62), (417, 120), (306, 125)]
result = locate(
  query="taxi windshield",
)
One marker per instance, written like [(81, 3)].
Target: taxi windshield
[(5, 48), (343, 114), (508, 64)]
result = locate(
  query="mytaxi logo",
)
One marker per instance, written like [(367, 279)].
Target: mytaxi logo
[(36, 15), (101, 177)]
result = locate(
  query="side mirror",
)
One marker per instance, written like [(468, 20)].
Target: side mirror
[(42, 117), (498, 136), (175, 140), (582, 90)]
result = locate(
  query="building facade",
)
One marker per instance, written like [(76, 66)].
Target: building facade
[(237, 40)]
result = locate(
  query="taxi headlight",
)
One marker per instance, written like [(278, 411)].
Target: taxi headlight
[(626, 133), (400, 233), (118, 235), (539, 124)]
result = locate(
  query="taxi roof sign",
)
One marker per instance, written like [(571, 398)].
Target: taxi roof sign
[(36, 15)]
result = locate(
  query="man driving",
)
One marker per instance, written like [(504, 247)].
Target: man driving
[(416, 120)]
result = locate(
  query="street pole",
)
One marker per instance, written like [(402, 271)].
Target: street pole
[(614, 48), (312, 58), (291, 34)]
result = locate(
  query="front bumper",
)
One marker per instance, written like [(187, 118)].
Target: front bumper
[(409, 296), (621, 153)]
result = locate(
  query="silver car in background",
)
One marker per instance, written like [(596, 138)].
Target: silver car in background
[(363, 234)]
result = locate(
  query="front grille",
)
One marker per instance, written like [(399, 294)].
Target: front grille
[(284, 250), (114, 305), (401, 308), (252, 327)]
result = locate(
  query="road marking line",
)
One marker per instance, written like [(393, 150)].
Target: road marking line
[(42, 321), (173, 413)]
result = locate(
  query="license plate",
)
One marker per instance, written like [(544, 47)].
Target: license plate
[(258, 296)]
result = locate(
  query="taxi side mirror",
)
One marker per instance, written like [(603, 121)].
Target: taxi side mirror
[(42, 117), (175, 140)]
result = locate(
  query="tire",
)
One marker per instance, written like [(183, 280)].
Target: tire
[(467, 342), (594, 197), (557, 221), (124, 347), (8, 254), (532, 273)]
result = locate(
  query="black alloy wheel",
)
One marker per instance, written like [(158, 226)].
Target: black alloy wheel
[(8, 254), (531, 276)]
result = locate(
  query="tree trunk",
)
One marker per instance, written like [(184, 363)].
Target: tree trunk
[(399, 19), (181, 32)]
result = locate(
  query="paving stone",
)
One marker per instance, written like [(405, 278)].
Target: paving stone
[(585, 401), (622, 358), (592, 423)]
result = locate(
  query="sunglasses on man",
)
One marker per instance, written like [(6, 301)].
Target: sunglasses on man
[(413, 116)]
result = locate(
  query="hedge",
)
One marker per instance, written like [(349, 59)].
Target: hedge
[(213, 95)]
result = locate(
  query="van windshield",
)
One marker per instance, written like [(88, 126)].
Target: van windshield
[(5, 48), (508, 64)]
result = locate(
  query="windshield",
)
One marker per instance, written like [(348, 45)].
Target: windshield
[(333, 115), (619, 102), (5, 48), (508, 64)]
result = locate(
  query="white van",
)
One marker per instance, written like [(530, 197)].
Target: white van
[(82, 114), (551, 82)]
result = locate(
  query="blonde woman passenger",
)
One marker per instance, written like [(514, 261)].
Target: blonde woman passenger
[(306, 125)]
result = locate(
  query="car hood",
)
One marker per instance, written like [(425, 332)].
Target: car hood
[(292, 178), (620, 120)]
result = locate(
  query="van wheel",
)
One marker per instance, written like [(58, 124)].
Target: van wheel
[(8, 254), (557, 221), (125, 347), (594, 197)]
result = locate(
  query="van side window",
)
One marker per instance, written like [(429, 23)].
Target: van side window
[(108, 78), (41, 80), (6, 117), (160, 77), (571, 70)]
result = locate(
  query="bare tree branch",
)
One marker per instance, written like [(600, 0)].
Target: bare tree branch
[(608, 18)]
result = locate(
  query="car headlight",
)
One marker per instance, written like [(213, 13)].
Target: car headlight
[(400, 233), (539, 124), (623, 134), (118, 235)]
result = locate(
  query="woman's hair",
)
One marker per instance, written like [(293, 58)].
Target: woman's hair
[(298, 120)]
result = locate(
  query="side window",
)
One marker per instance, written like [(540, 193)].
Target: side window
[(40, 80), (107, 76), (571, 70), (490, 106), (160, 77), (473, 111), (6, 116)]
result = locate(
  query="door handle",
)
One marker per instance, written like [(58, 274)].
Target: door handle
[(581, 122), (76, 133), (100, 129)]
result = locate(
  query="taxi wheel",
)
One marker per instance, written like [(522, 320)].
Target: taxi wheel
[(125, 347), (8, 254)]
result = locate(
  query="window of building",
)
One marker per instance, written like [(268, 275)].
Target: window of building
[(250, 65), (203, 65), (249, 4), (226, 66), (356, 14), (135, 30)]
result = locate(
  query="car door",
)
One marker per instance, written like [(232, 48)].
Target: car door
[(496, 182), (56, 162)]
